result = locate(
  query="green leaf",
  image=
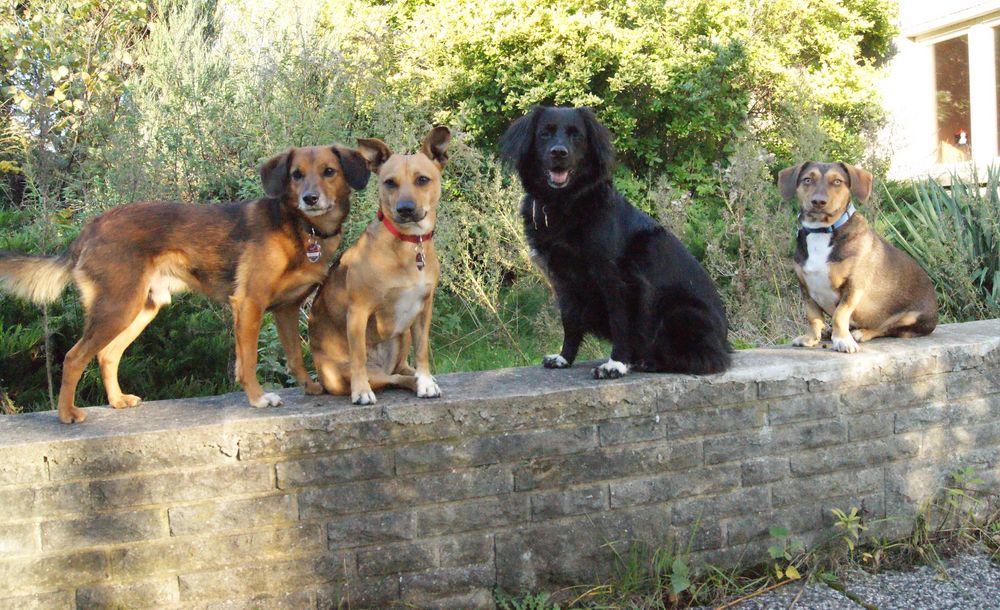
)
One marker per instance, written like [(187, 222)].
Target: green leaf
[(778, 531)]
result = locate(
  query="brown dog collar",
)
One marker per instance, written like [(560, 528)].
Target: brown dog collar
[(413, 239)]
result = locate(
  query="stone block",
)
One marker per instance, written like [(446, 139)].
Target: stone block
[(56, 600), (667, 487), (210, 551), (383, 494), (285, 600), (713, 420), (631, 430), (154, 593), (818, 489), (339, 468), (264, 578), (854, 456), (18, 540), (95, 458), (172, 487), (606, 464), (577, 501), (867, 426), (757, 471), (482, 450), (396, 558), (229, 515), (746, 502), (102, 529), (378, 592), (809, 407), (421, 522), (774, 440), (72, 569)]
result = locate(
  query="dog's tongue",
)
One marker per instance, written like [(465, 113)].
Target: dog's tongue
[(559, 176)]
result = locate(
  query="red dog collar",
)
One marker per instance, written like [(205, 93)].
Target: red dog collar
[(413, 239)]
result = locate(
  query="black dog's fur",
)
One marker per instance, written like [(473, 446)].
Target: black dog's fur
[(616, 272)]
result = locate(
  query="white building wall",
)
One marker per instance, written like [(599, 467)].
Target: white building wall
[(909, 93)]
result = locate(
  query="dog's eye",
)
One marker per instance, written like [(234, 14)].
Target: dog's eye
[(807, 180), (390, 183), (422, 180), (329, 172), (297, 175), (838, 182)]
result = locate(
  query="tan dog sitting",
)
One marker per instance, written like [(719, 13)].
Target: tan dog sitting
[(379, 298), (870, 288)]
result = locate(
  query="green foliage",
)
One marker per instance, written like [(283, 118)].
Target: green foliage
[(954, 233), (103, 102)]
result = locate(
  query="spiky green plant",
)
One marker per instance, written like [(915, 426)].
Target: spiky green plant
[(953, 231)]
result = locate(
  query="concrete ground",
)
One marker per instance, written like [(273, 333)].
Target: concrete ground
[(970, 582)]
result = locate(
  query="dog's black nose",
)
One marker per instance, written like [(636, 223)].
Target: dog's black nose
[(558, 152), (818, 202), (406, 208), (311, 199)]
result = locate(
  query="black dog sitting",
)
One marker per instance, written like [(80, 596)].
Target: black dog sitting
[(616, 272)]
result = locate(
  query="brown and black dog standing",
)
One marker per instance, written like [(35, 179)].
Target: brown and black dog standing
[(379, 298), (870, 288), (259, 255)]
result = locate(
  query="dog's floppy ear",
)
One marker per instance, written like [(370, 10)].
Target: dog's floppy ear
[(788, 179), (600, 141), (516, 142), (436, 145), (861, 182), (374, 151), (274, 174), (355, 166)]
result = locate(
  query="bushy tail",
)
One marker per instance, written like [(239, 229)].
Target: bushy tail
[(691, 339), (40, 279)]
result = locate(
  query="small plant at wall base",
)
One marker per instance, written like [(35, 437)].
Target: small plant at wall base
[(958, 518)]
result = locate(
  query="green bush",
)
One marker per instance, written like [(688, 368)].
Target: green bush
[(184, 100)]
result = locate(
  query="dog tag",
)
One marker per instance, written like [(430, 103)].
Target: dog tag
[(313, 251), (420, 261)]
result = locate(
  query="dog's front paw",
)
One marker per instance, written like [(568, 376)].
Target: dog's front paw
[(363, 397), (312, 388), (555, 361), (270, 399), (805, 341), (126, 401), (846, 344), (427, 387), (612, 369)]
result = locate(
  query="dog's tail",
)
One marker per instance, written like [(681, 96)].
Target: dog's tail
[(690, 338), (40, 279)]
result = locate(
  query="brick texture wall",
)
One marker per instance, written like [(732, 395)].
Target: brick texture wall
[(516, 479)]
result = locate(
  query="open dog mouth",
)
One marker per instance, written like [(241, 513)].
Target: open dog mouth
[(558, 178)]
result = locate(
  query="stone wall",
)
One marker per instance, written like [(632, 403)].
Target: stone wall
[(515, 478)]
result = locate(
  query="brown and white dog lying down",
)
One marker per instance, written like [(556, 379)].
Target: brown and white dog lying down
[(258, 255), (870, 288), (378, 300)]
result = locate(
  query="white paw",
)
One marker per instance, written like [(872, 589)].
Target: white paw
[(846, 344), (805, 341), (554, 361), (427, 387), (363, 398), (269, 399), (612, 369), (858, 334)]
